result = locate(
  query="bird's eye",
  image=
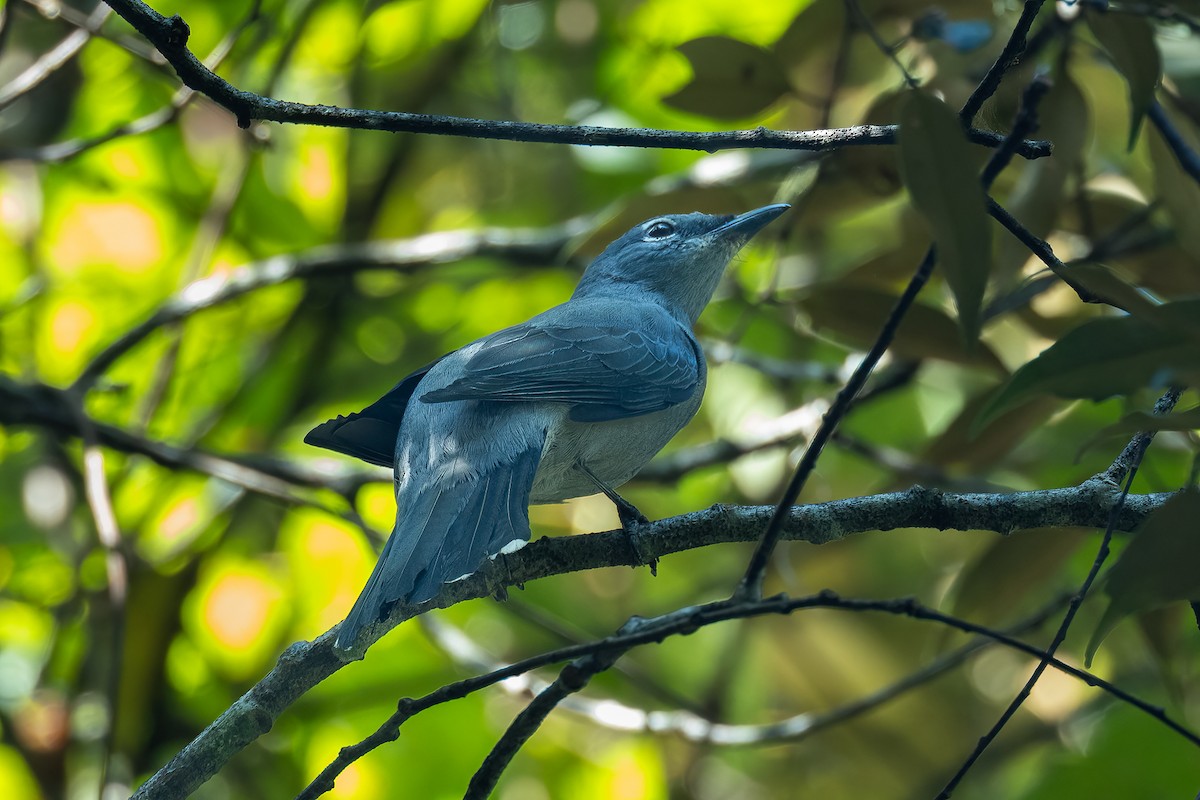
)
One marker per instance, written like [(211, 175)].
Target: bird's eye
[(660, 230)]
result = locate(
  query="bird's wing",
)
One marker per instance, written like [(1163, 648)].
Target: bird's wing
[(371, 433), (603, 372)]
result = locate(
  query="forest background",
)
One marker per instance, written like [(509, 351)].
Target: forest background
[(186, 287)]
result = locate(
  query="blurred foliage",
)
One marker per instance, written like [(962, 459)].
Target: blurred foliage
[(100, 225)]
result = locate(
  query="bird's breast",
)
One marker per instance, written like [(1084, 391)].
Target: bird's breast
[(614, 451)]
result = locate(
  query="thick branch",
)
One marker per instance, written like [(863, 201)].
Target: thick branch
[(170, 34), (306, 664)]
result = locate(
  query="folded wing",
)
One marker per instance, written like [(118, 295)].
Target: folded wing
[(603, 372)]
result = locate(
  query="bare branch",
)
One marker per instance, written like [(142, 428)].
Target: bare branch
[(573, 678), (697, 728), (170, 34), (49, 408), (57, 152), (1189, 159), (1004, 62), (306, 664), (683, 622)]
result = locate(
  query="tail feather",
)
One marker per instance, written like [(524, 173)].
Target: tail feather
[(443, 534)]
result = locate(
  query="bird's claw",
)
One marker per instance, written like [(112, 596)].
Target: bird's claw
[(631, 520)]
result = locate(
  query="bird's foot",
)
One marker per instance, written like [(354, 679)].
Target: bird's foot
[(497, 577), (631, 520)]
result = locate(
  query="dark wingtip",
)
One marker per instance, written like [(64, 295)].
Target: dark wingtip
[(321, 435)]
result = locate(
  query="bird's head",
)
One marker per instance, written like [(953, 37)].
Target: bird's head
[(677, 257)]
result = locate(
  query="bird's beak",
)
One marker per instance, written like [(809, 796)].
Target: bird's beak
[(743, 226)]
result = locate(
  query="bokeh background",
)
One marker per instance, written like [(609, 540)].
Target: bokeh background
[(120, 194)]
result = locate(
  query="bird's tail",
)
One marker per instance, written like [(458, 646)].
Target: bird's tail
[(442, 534)]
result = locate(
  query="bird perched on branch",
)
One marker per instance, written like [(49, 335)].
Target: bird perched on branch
[(573, 402)]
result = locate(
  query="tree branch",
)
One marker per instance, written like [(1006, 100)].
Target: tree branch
[(305, 664), (53, 59), (1008, 57), (520, 246), (685, 621), (573, 678), (1189, 159), (170, 34)]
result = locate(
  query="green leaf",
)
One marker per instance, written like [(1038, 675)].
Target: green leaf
[(1129, 40), (1164, 630), (730, 79), (976, 453), (1104, 284), (1159, 566), (1141, 421), (1111, 356), (939, 169), (856, 313)]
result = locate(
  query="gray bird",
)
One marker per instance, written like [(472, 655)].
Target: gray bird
[(573, 402)]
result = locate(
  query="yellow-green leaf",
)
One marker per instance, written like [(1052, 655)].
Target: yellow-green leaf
[(1159, 566), (939, 170)]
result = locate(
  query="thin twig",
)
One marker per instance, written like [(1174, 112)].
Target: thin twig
[(573, 678), (750, 585), (108, 532), (863, 23), (685, 621), (1025, 124), (1125, 464), (1008, 57), (1189, 159), (692, 726), (51, 409)]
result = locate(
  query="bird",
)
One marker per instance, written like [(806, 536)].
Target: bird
[(571, 403)]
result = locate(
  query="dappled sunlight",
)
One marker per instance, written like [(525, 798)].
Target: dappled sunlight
[(236, 613), (121, 235), (236, 609), (72, 326), (328, 562)]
